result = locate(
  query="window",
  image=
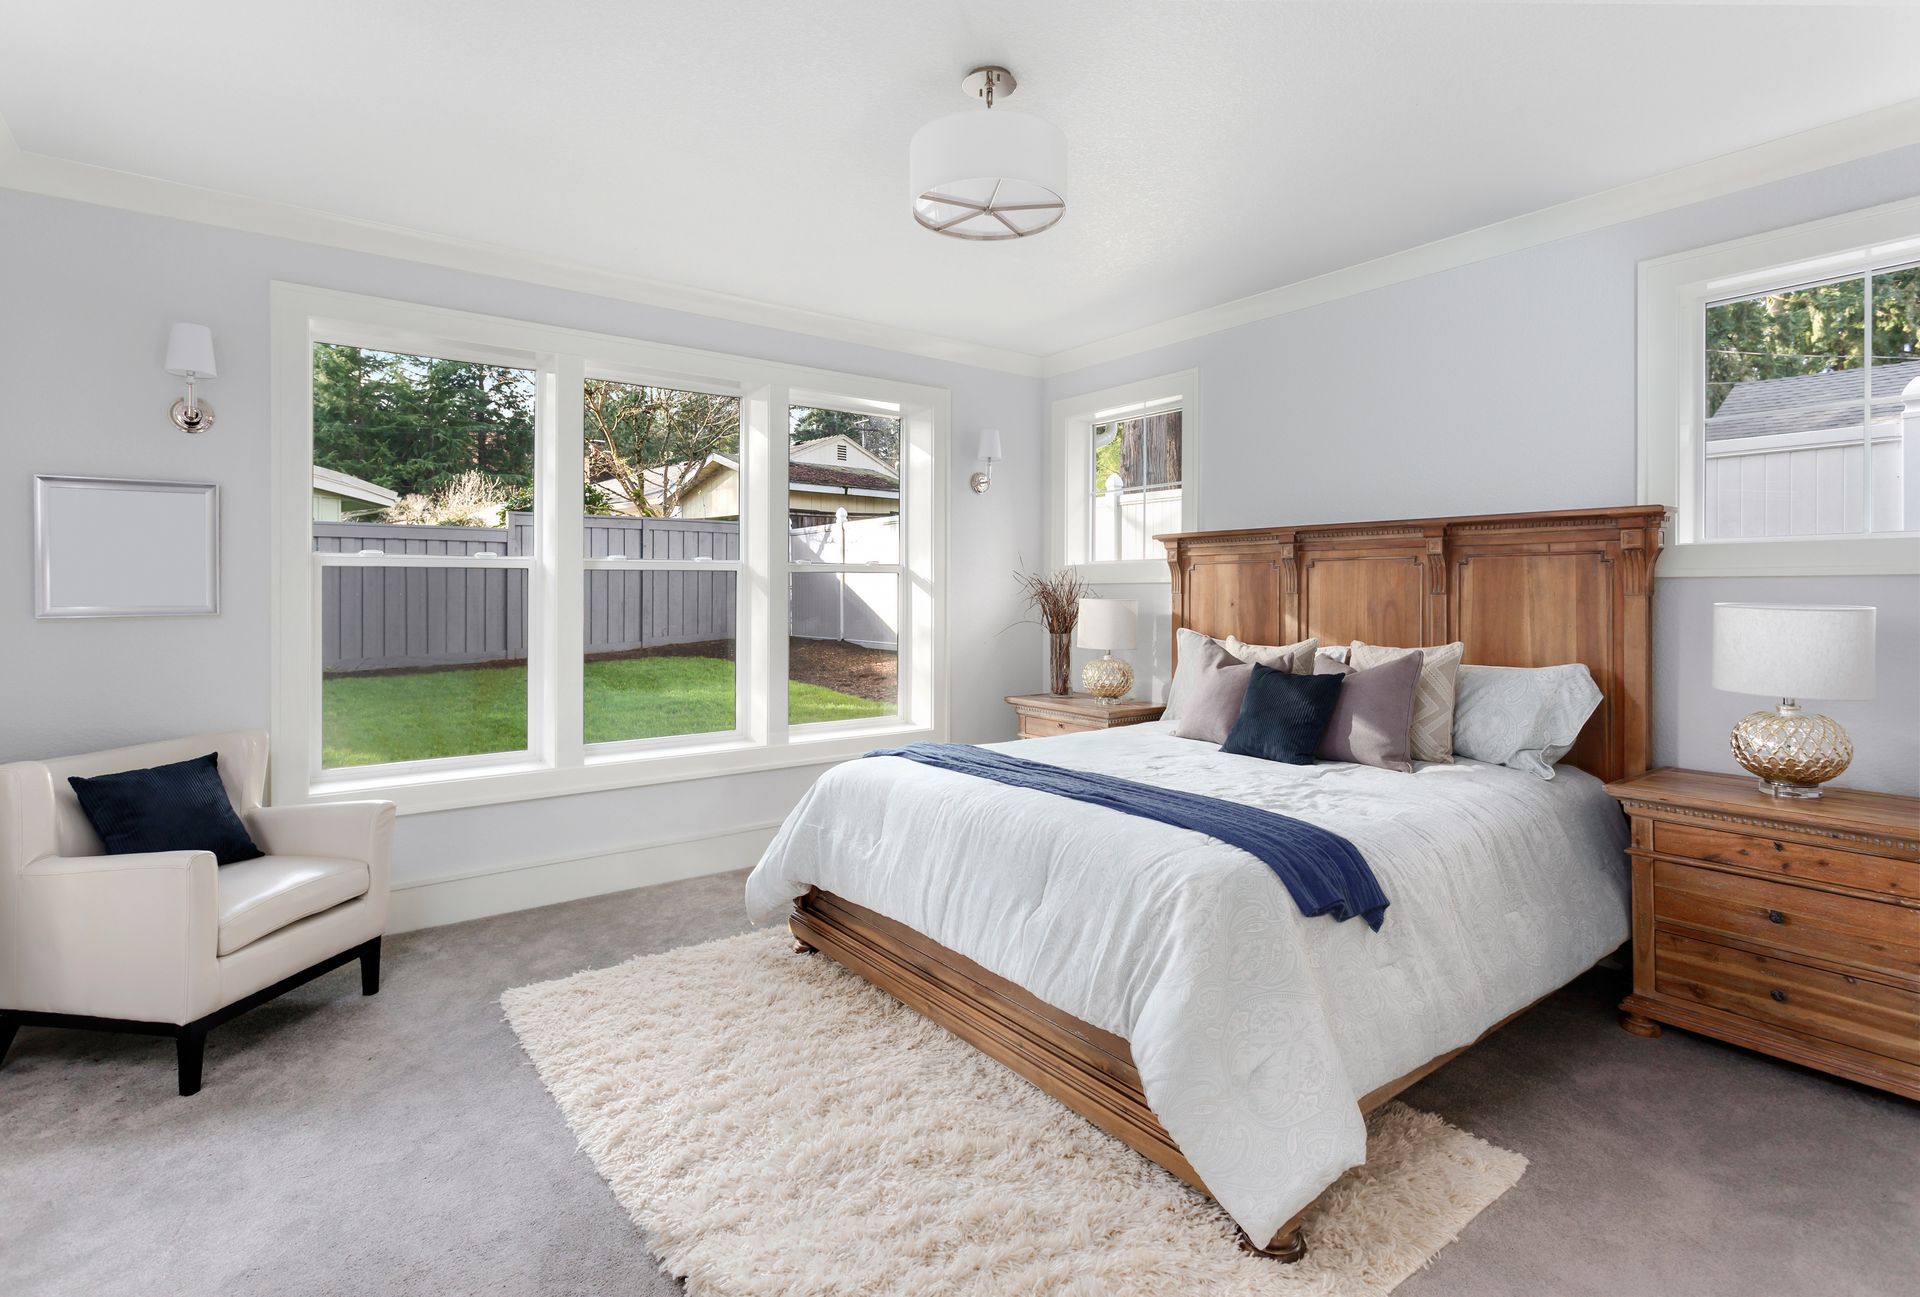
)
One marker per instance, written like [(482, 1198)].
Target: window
[(1773, 414), (519, 561), (1124, 458)]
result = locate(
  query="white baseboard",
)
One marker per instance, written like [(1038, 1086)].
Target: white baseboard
[(475, 894)]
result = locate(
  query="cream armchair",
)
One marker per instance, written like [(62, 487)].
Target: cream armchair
[(170, 943)]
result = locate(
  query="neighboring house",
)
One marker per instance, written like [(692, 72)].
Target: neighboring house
[(1786, 456), (823, 477), (341, 497)]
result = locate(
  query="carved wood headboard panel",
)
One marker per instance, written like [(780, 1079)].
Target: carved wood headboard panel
[(1518, 589)]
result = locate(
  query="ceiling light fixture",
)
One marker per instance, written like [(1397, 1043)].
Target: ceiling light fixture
[(988, 175)]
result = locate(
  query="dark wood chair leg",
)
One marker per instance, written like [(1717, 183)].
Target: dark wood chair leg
[(8, 1025), (192, 1046), (370, 968)]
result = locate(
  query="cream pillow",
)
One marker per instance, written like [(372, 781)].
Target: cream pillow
[(1294, 658), (1432, 697)]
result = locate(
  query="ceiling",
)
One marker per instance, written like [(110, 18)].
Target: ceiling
[(1218, 148)]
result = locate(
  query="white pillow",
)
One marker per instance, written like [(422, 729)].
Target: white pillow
[(1523, 717), (1186, 646)]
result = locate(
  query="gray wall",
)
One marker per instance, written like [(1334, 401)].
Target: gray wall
[(1504, 385), (86, 295)]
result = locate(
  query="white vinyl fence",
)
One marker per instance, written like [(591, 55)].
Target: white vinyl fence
[(1815, 483)]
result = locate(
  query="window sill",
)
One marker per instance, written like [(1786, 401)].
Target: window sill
[(1125, 572), (1830, 556), (445, 790)]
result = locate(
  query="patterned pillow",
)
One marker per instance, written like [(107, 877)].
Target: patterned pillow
[(1296, 658), (1432, 698), (1523, 717)]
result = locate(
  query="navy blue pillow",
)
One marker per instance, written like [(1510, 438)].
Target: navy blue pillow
[(178, 807), (1283, 716)]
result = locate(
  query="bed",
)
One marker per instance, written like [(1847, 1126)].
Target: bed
[(1110, 959)]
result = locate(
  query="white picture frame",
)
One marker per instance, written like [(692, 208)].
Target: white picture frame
[(125, 547)]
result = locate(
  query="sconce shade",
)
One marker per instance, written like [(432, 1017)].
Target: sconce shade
[(190, 351), (990, 444), (1787, 651), (1108, 623)]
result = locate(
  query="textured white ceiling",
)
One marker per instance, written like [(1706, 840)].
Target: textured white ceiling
[(759, 149)]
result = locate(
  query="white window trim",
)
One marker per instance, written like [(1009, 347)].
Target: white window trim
[(1073, 420), (1673, 294), (556, 762)]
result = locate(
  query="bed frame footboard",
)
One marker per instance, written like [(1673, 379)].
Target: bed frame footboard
[(1089, 1070)]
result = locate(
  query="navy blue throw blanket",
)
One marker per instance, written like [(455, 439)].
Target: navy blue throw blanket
[(1325, 873)]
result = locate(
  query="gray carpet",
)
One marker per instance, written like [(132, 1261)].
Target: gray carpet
[(402, 1144)]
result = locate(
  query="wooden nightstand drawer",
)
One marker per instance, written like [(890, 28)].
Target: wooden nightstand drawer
[(1040, 727), (1789, 859), (1852, 1011), (1870, 934)]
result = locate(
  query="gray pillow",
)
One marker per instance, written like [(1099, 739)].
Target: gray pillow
[(1186, 650), (1372, 722), (1296, 659), (1214, 691), (1523, 717)]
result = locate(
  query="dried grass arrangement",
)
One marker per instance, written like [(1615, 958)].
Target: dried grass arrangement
[(1056, 599)]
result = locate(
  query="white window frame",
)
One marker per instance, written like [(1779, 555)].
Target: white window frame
[(1674, 292), (557, 762), (1074, 419)]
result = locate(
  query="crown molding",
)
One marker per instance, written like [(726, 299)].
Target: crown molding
[(38, 173), (1810, 150), (1823, 146)]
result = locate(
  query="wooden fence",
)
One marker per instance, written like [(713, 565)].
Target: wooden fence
[(387, 618)]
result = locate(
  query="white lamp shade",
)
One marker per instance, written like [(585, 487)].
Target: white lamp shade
[(190, 351), (1793, 651), (1108, 623), (988, 174), (990, 444)]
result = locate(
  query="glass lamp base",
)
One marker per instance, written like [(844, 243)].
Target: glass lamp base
[(1789, 751), (1781, 788), (1108, 679)]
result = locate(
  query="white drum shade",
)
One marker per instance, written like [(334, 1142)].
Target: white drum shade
[(1108, 623), (190, 351), (1793, 651), (988, 174)]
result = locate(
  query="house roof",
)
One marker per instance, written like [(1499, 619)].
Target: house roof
[(800, 473), (1760, 406), (349, 487)]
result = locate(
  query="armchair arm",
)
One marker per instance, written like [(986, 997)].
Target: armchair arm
[(131, 936), (342, 830)]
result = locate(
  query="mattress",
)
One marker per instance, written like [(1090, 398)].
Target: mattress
[(1255, 1030)]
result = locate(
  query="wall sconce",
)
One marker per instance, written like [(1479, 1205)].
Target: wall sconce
[(190, 355), (989, 452)]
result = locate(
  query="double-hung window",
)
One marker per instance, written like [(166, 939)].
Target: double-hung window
[(516, 561), (1775, 412), (1124, 459)]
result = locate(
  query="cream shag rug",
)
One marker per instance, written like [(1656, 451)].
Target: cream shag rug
[(778, 1126)]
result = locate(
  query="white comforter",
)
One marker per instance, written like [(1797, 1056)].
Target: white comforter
[(1255, 1029)]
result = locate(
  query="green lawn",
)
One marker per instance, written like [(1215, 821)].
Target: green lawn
[(371, 719)]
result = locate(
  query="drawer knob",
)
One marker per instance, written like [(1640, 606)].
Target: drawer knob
[(1779, 996), (1774, 916)]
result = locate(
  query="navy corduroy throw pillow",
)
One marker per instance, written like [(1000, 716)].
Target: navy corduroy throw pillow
[(1283, 716), (177, 807)]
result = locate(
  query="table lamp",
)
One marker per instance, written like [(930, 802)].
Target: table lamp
[(1107, 624), (1792, 651)]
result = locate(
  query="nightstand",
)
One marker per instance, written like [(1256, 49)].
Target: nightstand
[(1042, 715), (1787, 926)]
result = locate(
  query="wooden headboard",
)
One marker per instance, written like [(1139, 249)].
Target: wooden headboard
[(1518, 589)]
